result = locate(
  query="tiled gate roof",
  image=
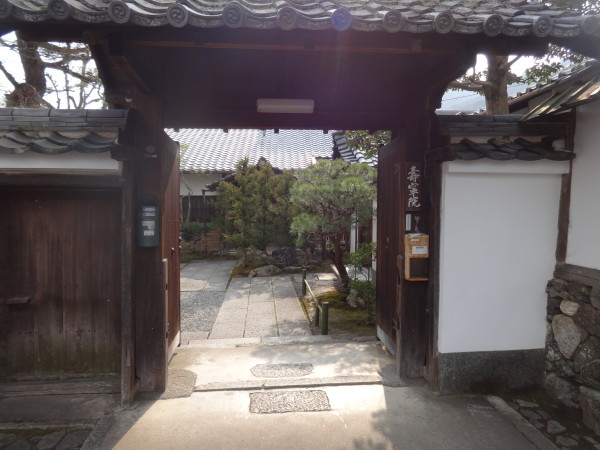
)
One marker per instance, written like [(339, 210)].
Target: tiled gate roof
[(489, 17)]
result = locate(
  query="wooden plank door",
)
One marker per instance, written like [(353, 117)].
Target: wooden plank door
[(171, 219), (59, 283), (388, 241)]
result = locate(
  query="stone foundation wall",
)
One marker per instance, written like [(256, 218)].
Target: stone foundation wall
[(573, 347)]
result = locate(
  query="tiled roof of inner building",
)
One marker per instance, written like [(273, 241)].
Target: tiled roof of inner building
[(55, 131), (214, 150), (491, 17), (351, 155)]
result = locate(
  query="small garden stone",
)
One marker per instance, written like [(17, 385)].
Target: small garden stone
[(555, 428)]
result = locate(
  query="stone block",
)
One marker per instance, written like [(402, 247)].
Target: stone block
[(588, 318), (264, 271), (562, 390), (590, 407), (595, 297), (553, 305), (559, 285), (569, 308), (555, 428), (566, 334), (579, 292), (588, 351)]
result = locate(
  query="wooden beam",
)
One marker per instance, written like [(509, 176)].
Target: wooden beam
[(413, 47), (578, 274), (83, 180), (188, 117), (129, 63)]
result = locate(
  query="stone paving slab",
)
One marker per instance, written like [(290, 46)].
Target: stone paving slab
[(256, 307), (206, 274)]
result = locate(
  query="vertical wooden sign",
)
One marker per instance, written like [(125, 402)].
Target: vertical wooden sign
[(412, 186)]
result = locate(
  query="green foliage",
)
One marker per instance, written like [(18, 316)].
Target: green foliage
[(367, 142), (329, 196), (366, 290), (191, 231), (254, 210), (363, 255)]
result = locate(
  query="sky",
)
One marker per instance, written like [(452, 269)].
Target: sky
[(12, 63)]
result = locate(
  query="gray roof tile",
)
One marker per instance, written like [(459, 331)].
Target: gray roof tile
[(351, 155), (214, 150), (55, 131), (415, 16)]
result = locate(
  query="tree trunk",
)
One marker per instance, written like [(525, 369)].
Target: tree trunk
[(338, 257), (496, 94), (33, 66)]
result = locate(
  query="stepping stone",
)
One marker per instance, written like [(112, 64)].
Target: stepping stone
[(288, 401), (281, 370)]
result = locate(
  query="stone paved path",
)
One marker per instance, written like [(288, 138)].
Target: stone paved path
[(245, 308), (260, 307), (203, 286)]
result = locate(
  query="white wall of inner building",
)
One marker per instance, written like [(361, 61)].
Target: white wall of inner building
[(583, 247), (497, 252)]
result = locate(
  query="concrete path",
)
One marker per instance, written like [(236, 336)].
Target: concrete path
[(214, 308), (329, 395)]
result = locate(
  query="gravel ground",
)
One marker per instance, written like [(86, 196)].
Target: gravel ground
[(199, 310)]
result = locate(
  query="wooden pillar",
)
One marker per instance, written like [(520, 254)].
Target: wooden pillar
[(128, 378), (411, 337), (145, 316)]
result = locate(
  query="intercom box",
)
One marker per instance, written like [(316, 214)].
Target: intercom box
[(416, 261)]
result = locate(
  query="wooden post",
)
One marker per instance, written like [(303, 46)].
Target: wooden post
[(148, 275), (128, 380), (411, 337)]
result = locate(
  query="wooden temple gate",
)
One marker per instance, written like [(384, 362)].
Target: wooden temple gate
[(383, 65)]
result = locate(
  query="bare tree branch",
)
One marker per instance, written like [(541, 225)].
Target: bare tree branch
[(8, 76), (471, 86), (514, 60), (66, 70)]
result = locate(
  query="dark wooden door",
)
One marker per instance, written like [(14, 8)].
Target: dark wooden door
[(388, 240), (171, 219), (59, 283)]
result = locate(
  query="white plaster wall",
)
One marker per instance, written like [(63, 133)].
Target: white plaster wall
[(196, 182), (71, 161), (583, 247), (497, 252)]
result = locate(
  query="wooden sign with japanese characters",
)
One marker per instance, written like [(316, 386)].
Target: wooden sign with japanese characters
[(412, 186)]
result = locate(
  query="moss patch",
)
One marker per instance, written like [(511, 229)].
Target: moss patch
[(343, 320)]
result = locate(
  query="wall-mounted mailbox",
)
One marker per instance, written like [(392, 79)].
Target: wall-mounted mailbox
[(148, 224), (416, 262)]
